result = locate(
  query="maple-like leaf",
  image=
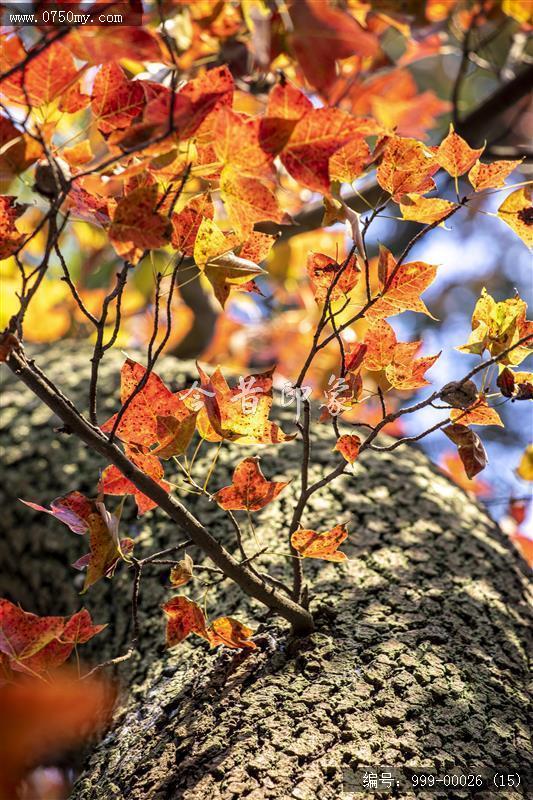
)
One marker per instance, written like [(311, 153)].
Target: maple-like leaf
[(34, 644), (239, 414), (405, 372), (310, 544), (350, 160), (322, 271), (10, 238), (236, 141), (184, 617), (321, 34), (214, 255), (426, 210), (186, 222), (248, 200), (73, 99), (404, 290), (174, 434), (380, 341), (46, 76), (182, 572), (115, 100), (498, 326), (469, 447), (230, 633), (249, 489), (517, 212), (354, 356), (406, 167), (479, 413), (114, 482), (348, 446), (315, 138), (137, 225), (455, 156), (72, 509), (286, 105), (140, 424), (491, 176)]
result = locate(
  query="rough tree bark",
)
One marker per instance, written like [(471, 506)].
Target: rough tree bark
[(419, 659)]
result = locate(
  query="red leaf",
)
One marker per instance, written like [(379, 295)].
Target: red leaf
[(10, 238), (137, 225), (348, 446), (322, 271), (469, 446), (115, 100), (184, 617), (249, 488), (310, 544), (114, 482)]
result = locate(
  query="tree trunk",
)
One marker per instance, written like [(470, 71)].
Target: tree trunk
[(419, 660)]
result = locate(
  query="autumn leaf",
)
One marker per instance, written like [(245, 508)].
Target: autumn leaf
[(182, 572), (286, 105), (184, 618), (426, 210), (518, 385), (497, 327), (321, 34), (231, 633), (517, 212), (380, 341), (404, 290), (73, 509), (174, 434), (239, 414), (115, 100), (405, 372), (469, 447), (248, 200), (310, 544), (323, 271), (491, 176), (36, 645), (249, 488), (137, 225), (452, 466), (524, 544), (525, 467), (139, 424), (10, 238), (186, 222), (114, 482), (349, 161), (354, 356), (406, 167), (479, 413), (455, 156), (348, 446), (236, 141), (315, 138)]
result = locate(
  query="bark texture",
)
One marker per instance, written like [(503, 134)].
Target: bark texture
[(420, 658)]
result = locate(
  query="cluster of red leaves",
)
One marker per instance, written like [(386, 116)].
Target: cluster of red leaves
[(38, 645), (185, 617)]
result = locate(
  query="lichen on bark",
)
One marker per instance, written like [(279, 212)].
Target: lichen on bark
[(419, 659)]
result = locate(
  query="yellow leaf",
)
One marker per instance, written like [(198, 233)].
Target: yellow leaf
[(525, 467), (427, 210), (517, 211)]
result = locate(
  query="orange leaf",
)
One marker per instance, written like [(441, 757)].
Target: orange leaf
[(240, 414), (315, 138), (249, 488), (525, 547), (182, 572), (184, 617), (425, 209), (321, 34), (452, 465), (114, 482), (406, 166), (10, 238), (322, 271), (479, 413), (491, 176), (404, 291), (186, 222), (247, 200), (115, 100), (380, 340), (78, 154), (231, 633), (348, 446), (236, 143), (406, 372), (139, 424), (347, 163), (310, 544), (137, 226), (517, 211), (286, 105), (455, 156)]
